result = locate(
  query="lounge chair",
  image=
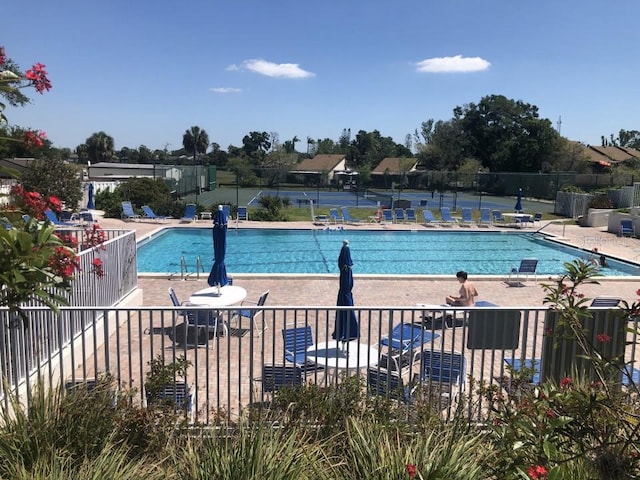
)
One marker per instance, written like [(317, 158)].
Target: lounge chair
[(400, 218), (485, 218), (254, 312), (150, 214), (387, 215), (610, 302), (626, 228), (51, 217), (467, 217), (128, 213), (404, 345), (242, 214), (333, 215), (297, 341), (518, 275), (388, 384), (429, 219), (537, 217), (445, 215), (190, 214), (443, 374), (347, 217), (497, 217), (410, 215)]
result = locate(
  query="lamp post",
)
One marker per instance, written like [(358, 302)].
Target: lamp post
[(195, 172)]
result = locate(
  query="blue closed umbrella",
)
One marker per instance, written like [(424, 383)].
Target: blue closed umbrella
[(519, 202), (218, 275), (90, 204), (346, 323)]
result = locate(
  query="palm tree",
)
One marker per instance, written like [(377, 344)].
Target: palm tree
[(99, 147), (195, 140)]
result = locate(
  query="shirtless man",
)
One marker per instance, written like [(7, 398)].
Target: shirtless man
[(467, 293)]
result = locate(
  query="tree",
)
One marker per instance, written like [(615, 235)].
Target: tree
[(195, 141), (256, 145), (99, 147), (54, 177)]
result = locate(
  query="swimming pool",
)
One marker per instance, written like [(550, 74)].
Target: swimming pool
[(373, 252)]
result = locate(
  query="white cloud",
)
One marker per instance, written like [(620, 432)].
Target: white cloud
[(233, 68), (226, 90), (275, 70), (453, 64)]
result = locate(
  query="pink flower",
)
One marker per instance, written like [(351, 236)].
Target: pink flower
[(604, 338), (98, 269), (566, 382), (3, 56), (38, 76), (411, 470), (34, 139), (638, 292)]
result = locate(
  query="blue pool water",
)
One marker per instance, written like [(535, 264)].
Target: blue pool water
[(373, 252)]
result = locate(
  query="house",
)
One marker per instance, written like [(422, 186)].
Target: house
[(395, 169), (119, 171), (331, 165)]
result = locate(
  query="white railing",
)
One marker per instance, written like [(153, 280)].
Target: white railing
[(227, 364)]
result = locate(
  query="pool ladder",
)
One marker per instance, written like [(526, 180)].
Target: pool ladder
[(184, 270)]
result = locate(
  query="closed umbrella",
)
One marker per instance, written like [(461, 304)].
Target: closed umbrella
[(90, 204), (346, 323), (218, 275), (519, 202)]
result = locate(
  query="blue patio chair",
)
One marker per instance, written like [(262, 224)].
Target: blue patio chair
[(443, 374), (537, 217), (610, 302), (128, 213), (485, 217), (523, 221), (333, 215), (276, 377), (429, 219), (201, 324), (296, 342), (387, 215), (348, 218), (388, 384), (497, 217), (404, 345), (400, 218), (51, 217), (254, 312), (446, 218), (526, 269), (242, 214), (467, 217), (150, 214), (177, 395), (190, 213), (532, 365), (410, 215), (626, 228)]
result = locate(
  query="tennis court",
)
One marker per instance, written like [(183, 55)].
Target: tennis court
[(324, 198)]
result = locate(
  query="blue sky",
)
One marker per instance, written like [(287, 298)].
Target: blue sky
[(145, 71)]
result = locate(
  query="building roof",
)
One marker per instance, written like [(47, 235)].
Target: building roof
[(18, 164), (137, 166), (615, 154), (320, 163), (394, 165)]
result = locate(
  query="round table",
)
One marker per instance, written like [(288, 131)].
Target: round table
[(229, 295), (343, 355)]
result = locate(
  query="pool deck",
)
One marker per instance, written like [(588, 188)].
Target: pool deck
[(392, 290)]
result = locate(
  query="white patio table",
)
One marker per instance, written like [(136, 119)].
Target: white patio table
[(338, 356)]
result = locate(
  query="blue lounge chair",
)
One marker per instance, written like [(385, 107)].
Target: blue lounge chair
[(388, 384), (610, 302), (410, 215), (527, 268), (333, 215), (243, 214), (387, 215), (190, 214), (444, 372), (150, 214), (400, 218), (404, 345), (467, 217), (497, 217), (447, 219), (347, 217), (297, 341), (128, 213), (485, 217), (51, 217), (429, 219), (537, 217), (626, 228)]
